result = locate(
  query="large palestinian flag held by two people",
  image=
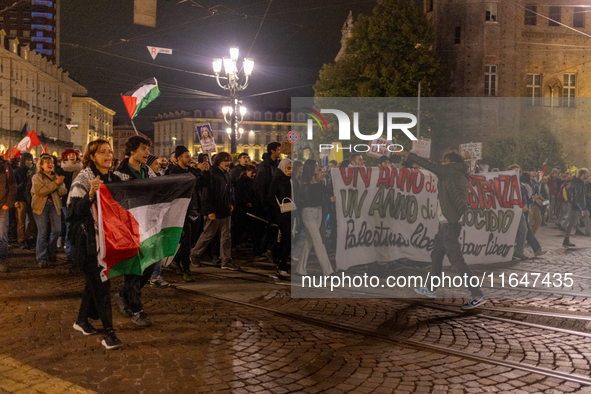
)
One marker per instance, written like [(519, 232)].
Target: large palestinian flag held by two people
[(140, 96), (140, 222)]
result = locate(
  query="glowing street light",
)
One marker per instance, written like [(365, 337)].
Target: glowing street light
[(234, 86)]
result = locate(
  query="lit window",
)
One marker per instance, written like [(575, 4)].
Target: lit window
[(490, 80), (491, 12), (568, 91), (534, 88)]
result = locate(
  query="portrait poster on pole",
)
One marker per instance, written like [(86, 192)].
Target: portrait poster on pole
[(206, 138)]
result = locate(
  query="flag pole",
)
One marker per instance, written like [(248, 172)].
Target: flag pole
[(133, 124)]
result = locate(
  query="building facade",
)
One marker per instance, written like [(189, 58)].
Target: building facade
[(534, 50), (260, 127), (120, 134), (90, 120), (537, 50), (34, 22), (35, 93), (525, 48)]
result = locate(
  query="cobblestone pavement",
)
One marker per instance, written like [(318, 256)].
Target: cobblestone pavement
[(202, 344)]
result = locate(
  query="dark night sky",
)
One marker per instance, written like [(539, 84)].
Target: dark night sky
[(295, 40)]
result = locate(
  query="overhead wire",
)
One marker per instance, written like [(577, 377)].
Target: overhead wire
[(279, 90), (139, 61), (260, 26), (321, 8)]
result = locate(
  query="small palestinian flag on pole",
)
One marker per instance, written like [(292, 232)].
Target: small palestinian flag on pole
[(139, 97), (140, 222)]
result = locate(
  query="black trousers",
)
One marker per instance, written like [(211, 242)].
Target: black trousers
[(447, 243), (285, 245), (132, 289), (184, 252), (96, 298)]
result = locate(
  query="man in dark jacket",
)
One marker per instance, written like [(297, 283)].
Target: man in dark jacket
[(23, 176), (262, 181), (577, 197), (243, 161), (452, 188), (218, 206), (182, 262), (129, 298), (7, 199)]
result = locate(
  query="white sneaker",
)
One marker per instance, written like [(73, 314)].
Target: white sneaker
[(158, 282)]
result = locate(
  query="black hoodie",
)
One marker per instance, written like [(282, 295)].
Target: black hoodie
[(23, 177), (264, 176)]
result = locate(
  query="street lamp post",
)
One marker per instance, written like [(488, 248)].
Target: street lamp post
[(233, 121), (233, 86)]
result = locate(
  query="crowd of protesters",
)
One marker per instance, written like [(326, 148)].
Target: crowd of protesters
[(48, 206)]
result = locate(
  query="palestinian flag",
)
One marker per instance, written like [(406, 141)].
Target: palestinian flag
[(140, 222), (140, 96)]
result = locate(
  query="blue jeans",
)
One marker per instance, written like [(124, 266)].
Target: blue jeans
[(157, 269), (3, 235), (48, 223), (531, 239), (563, 219), (67, 239)]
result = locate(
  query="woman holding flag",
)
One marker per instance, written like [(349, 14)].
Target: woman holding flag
[(96, 298)]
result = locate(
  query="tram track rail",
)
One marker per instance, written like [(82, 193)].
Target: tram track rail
[(431, 304), (482, 313), (570, 377)]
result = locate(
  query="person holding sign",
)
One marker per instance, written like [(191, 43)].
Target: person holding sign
[(452, 176)]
